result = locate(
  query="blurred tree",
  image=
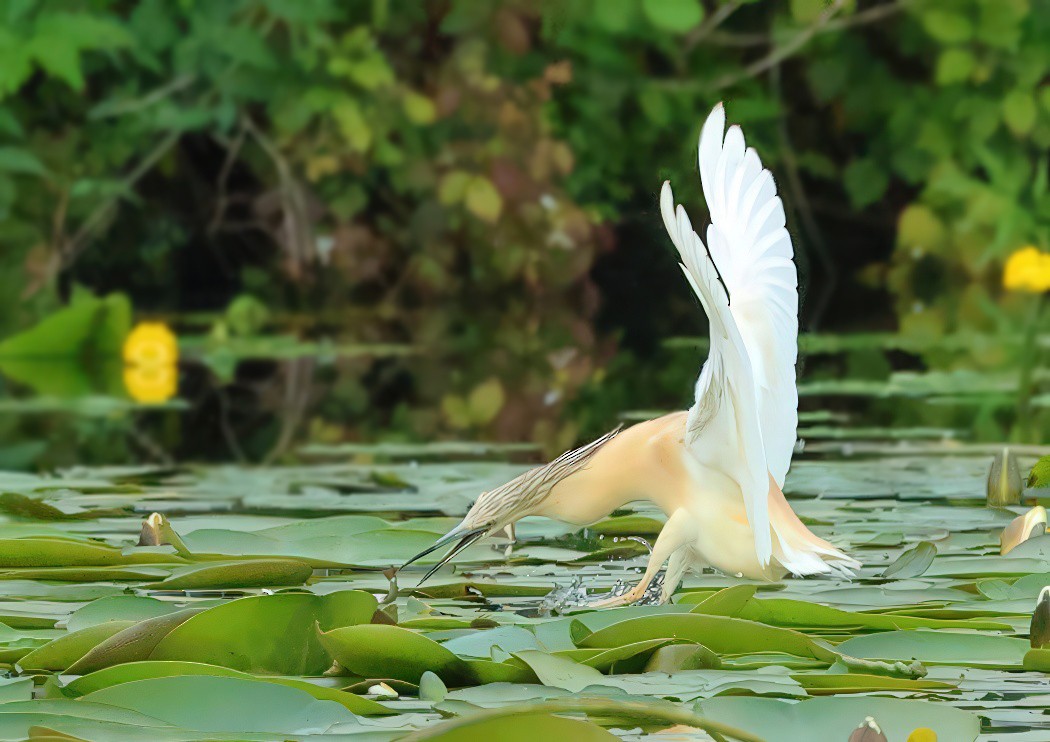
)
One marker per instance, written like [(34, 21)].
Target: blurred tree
[(456, 174)]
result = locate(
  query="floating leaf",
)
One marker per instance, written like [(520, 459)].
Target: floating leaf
[(515, 727), (54, 551), (720, 634), (836, 718), (939, 647), (913, 562), (266, 633), (131, 644), (128, 672), (560, 672), (230, 575), (60, 653), (377, 651), (220, 704)]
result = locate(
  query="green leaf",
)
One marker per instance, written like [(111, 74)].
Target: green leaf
[(88, 328), (837, 718), (232, 575), (266, 633), (18, 160), (53, 551), (954, 65), (453, 187), (60, 653), (615, 16), (807, 11), (560, 672), (210, 703), (865, 182), (913, 562), (419, 108), (721, 634), (378, 651), (675, 16), (131, 644), (939, 648), (482, 199), (674, 658), (947, 26), (353, 125), (920, 228), (485, 401), (16, 65), (728, 601), (128, 672), (1019, 111), (835, 683), (431, 688), (1037, 660), (1039, 477), (515, 727)]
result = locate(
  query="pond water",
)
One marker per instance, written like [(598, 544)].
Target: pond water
[(257, 576)]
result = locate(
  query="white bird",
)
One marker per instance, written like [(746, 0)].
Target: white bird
[(717, 469)]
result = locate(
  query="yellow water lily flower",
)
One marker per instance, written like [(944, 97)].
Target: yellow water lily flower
[(151, 384), (1028, 269), (151, 353), (151, 344)]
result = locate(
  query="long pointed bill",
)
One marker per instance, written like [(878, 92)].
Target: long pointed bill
[(466, 539)]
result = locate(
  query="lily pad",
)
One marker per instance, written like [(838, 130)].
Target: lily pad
[(128, 672), (939, 647), (272, 634), (836, 718), (375, 651), (220, 704)]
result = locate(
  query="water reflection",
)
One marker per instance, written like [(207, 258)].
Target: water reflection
[(268, 400)]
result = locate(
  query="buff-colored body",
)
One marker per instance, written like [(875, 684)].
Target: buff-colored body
[(650, 461)]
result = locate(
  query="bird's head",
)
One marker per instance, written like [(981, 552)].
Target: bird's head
[(521, 496), (491, 512)]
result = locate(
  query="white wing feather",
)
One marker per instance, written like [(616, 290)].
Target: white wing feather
[(752, 249), (746, 389)]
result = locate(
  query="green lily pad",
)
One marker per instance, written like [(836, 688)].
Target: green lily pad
[(272, 634), (836, 718), (913, 562), (516, 727), (53, 551), (230, 575), (128, 672), (210, 703), (60, 653), (720, 634), (132, 644), (375, 651), (939, 647)]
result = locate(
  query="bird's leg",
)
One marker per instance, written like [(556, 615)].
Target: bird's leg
[(676, 567), (508, 531), (676, 533)]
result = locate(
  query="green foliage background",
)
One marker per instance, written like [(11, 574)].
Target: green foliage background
[(451, 175)]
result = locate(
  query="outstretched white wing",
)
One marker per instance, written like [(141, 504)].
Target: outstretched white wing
[(746, 390)]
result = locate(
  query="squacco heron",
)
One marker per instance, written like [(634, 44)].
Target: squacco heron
[(717, 469)]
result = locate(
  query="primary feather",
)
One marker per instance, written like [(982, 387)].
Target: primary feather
[(745, 398)]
